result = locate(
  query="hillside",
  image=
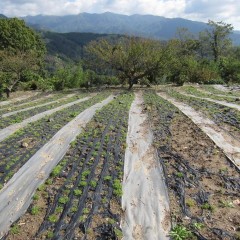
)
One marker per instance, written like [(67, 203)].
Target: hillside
[(140, 25), (70, 45)]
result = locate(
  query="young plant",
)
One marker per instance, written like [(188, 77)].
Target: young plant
[(180, 233)]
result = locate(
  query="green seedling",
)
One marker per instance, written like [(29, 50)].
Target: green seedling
[(180, 233), (117, 188), (86, 211), (52, 218), (15, 229), (56, 171), (77, 192), (207, 206), (198, 226), (226, 204), (35, 210), (63, 200), (93, 183)]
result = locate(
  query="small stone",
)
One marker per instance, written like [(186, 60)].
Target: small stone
[(24, 145), (236, 202), (186, 218), (50, 120)]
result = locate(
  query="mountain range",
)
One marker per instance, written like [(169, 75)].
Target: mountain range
[(150, 26)]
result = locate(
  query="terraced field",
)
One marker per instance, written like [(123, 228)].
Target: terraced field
[(121, 165)]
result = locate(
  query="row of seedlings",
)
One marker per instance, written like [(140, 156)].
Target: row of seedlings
[(203, 186), (194, 91), (82, 197), (213, 90), (225, 117), (19, 117), (19, 147), (31, 103), (26, 100)]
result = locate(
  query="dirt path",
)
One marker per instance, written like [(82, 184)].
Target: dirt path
[(222, 139), (17, 193), (231, 105), (145, 199), (36, 106), (30, 94), (4, 133)]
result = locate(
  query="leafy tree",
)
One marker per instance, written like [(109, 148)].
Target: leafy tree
[(21, 49), (132, 59), (217, 37), (13, 66)]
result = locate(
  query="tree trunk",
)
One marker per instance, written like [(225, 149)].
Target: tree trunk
[(130, 82), (8, 92)]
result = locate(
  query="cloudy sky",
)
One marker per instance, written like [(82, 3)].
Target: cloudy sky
[(200, 10)]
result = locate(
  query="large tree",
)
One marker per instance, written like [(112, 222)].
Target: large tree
[(131, 58), (217, 37), (21, 49)]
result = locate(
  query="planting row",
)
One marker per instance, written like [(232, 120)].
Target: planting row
[(203, 185), (19, 117), (20, 146), (226, 117), (41, 100), (194, 91), (81, 198), (214, 90), (25, 100)]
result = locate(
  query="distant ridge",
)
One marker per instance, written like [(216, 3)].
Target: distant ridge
[(2, 16), (110, 23)]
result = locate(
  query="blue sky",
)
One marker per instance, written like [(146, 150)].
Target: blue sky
[(199, 10)]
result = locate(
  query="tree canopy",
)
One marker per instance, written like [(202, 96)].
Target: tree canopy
[(21, 49), (132, 59)]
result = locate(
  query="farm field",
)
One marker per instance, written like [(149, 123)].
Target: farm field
[(158, 163)]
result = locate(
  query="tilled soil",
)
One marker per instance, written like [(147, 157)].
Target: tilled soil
[(203, 185)]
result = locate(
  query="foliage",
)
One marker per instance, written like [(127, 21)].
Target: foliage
[(217, 37), (21, 50), (180, 233), (132, 59)]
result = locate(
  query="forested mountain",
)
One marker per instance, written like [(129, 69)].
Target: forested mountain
[(70, 45), (140, 25), (2, 16)]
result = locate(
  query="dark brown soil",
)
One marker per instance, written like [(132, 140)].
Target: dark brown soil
[(201, 154)]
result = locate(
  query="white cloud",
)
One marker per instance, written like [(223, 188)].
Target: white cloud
[(201, 10)]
